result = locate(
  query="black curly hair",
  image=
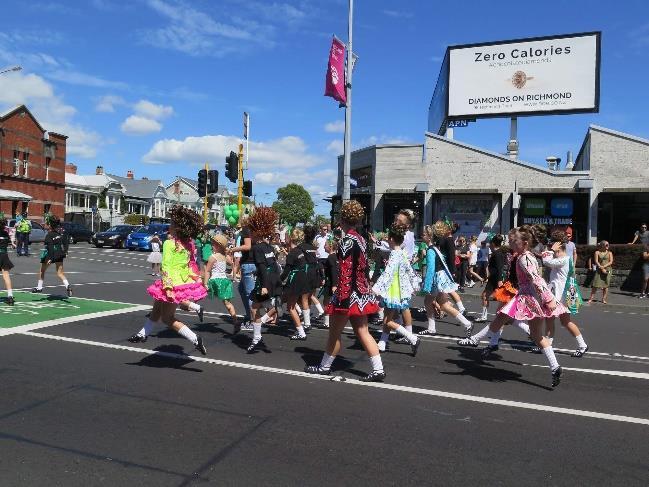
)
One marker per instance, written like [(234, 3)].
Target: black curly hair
[(187, 223)]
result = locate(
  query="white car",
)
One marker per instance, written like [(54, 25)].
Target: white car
[(36, 235)]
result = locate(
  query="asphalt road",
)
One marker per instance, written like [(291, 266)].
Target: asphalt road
[(80, 405)]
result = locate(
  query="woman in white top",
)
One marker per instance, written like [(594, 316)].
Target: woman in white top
[(473, 261), (558, 262), (155, 257)]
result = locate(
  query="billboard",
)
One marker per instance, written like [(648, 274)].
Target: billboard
[(558, 74)]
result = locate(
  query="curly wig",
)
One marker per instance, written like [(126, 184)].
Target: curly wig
[(262, 222), (441, 229), (352, 212), (297, 236), (187, 223), (397, 232)]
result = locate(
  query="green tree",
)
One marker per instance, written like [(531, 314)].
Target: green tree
[(134, 219), (294, 204), (320, 220)]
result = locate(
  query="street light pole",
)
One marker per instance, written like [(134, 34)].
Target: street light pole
[(348, 108), (13, 68)]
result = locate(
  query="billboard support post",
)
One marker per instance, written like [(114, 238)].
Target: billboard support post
[(449, 133), (348, 108), (512, 146)]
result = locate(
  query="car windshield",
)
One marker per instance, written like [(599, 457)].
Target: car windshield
[(151, 229), (119, 228)]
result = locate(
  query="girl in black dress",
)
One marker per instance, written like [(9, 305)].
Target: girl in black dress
[(314, 275), (5, 263), (268, 285), (296, 283), (56, 248)]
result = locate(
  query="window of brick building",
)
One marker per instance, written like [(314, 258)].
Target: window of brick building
[(47, 168), (25, 163), (16, 163)]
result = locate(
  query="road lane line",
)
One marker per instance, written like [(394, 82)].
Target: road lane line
[(70, 319), (376, 385), (74, 285), (617, 373)]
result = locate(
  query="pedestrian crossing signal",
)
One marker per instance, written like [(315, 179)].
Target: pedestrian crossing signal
[(247, 188)]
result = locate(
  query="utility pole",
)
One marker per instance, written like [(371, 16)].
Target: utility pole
[(240, 179), (207, 168), (348, 107)]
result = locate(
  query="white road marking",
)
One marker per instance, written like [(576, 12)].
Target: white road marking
[(392, 387), (74, 285), (109, 262), (617, 373), (70, 319)]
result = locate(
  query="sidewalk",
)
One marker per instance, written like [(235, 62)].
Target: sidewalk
[(617, 299)]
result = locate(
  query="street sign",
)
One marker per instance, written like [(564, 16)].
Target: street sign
[(94, 210), (457, 123)]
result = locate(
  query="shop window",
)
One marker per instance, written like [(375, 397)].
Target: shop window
[(47, 207)]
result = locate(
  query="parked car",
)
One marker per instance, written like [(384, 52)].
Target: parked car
[(141, 239), (77, 232), (113, 237), (36, 235)]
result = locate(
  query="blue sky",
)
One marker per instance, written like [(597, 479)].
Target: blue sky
[(159, 86)]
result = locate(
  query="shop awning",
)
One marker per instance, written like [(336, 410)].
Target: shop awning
[(6, 194)]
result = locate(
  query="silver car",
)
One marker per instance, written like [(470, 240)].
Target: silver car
[(36, 235)]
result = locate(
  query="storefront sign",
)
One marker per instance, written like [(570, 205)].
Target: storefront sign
[(534, 207), (546, 220), (561, 207)]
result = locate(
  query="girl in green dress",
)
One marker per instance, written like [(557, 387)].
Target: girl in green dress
[(216, 278)]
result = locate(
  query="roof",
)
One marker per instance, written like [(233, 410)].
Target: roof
[(624, 135), (20, 108), (6, 194), (91, 180), (505, 158), (139, 188)]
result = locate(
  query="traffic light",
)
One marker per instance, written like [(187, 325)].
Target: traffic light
[(247, 188), (212, 181), (232, 167), (202, 183)]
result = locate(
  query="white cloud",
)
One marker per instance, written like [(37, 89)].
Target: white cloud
[(136, 125), (49, 109), (107, 103), (285, 153), (337, 127), (265, 177), (147, 109), (398, 14), (83, 79), (336, 147)]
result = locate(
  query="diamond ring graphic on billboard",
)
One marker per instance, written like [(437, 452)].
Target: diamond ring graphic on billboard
[(519, 79)]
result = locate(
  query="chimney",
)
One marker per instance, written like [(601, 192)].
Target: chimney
[(100, 171), (70, 169), (145, 178), (129, 174), (569, 164)]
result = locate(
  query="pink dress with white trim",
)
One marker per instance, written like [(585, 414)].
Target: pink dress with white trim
[(180, 274), (534, 294)]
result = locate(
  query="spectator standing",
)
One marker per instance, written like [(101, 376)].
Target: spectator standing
[(23, 229), (464, 253), (473, 262), (320, 243), (483, 260), (571, 248), (641, 236), (645, 272), (603, 261)]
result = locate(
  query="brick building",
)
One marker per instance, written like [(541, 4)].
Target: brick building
[(32, 166)]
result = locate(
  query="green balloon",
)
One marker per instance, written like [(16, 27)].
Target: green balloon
[(232, 221), (228, 212), (235, 214)]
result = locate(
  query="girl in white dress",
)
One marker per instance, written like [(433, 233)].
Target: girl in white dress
[(155, 257)]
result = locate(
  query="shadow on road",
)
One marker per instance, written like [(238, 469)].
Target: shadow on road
[(160, 361)]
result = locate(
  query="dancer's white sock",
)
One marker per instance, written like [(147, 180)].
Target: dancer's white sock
[(306, 314), (381, 315), (300, 331), (403, 331), (522, 325), (10, 292), (266, 318), (194, 307), (460, 306), (377, 363), (485, 311), (552, 360), (462, 319), (495, 337), (327, 360), (66, 283), (326, 320), (580, 342), (146, 329), (319, 308), (408, 327), (40, 284), (298, 309), (481, 334), (185, 332), (256, 332), (431, 325)]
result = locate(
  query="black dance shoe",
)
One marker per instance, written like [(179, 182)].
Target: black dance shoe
[(138, 338), (374, 376), (200, 346), (316, 370), (556, 376)]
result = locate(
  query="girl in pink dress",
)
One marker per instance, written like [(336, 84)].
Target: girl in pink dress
[(181, 279), (535, 301)]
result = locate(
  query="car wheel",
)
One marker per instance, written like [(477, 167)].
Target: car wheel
[(131, 248), (120, 245), (99, 246)]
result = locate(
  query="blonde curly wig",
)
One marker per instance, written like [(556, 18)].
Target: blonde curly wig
[(352, 212)]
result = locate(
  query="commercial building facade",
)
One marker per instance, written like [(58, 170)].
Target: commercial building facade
[(604, 196), (32, 166)]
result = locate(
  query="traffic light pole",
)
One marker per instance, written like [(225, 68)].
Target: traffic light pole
[(207, 168), (240, 178)]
